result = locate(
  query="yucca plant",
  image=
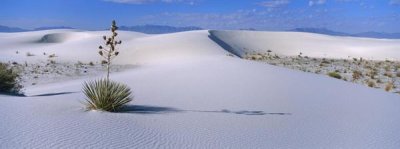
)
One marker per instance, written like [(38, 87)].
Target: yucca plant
[(105, 94), (9, 80)]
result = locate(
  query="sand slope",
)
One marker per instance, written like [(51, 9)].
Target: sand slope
[(190, 94), (67, 45), (313, 45)]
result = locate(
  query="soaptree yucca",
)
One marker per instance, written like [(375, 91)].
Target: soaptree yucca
[(105, 94)]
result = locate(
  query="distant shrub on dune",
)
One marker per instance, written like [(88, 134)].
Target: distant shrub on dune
[(388, 74), (9, 80), (357, 75), (389, 86), (371, 83), (29, 54), (335, 75)]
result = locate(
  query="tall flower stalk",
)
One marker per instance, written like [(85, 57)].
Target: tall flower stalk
[(109, 51)]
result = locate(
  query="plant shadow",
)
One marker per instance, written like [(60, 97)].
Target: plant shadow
[(145, 109), (246, 112), (52, 94), (12, 94)]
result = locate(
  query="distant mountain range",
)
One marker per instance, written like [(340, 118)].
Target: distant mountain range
[(334, 33), (7, 29), (52, 27), (158, 29)]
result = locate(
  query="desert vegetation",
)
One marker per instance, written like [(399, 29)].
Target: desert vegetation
[(9, 80), (105, 94), (376, 74)]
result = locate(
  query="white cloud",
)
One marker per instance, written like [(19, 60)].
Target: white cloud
[(316, 2), (259, 19), (191, 2), (274, 3), (284, 19)]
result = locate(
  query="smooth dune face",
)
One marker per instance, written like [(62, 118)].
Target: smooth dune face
[(170, 47), (67, 45), (189, 94), (137, 48), (313, 45)]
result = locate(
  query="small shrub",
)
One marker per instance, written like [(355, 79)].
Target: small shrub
[(397, 66), (379, 81), (79, 63), (9, 80), (324, 61), (335, 75), (52, 62), (357, 75), (52, 56), (29, 54), (106, 95), (388, 74), (389, 86), (91, 63), (387, 67), (371, 83)]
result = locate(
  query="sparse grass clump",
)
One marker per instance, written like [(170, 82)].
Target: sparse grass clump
[(106, 95), (8, 80), (335, 75)]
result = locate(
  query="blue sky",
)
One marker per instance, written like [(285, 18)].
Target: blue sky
[(341, 15)]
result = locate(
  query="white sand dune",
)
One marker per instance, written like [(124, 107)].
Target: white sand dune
[(190, 94), (67, 45), (170, 47), (310, 44)]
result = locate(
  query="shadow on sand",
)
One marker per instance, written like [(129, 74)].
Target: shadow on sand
[(52, 94), (224, 45), (144, 109)]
